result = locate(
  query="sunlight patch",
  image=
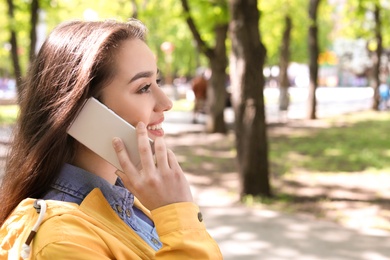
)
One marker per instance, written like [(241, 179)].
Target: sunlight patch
[(386, 153), (332, 152)]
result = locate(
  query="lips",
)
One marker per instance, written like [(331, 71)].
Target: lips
[(156, 128)]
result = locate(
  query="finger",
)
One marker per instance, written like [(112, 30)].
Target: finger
[(144, 148), (160, 150), (128, 168), (172, 161)]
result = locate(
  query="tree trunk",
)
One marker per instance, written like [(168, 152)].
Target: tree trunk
[(218, 64), (284, 62), (377, 58), (217, 84), (33, 30), (313, 56), (14, 46), (135, 9), (248, 55)]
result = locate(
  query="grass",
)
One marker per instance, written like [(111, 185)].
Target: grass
[(352, 143), (335, 171)]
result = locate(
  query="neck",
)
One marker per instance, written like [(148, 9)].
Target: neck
[(93, 163)]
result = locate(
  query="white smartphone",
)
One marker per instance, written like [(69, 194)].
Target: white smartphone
[(95, 127)]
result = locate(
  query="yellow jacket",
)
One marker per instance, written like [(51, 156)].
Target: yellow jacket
[(93, 230)]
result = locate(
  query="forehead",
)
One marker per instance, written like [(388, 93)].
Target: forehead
[(134, 56)]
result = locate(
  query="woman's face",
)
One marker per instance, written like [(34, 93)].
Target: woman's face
[(134, 93)]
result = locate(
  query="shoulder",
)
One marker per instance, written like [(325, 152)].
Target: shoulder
[(92, 231), (65, 225), (20, 223)]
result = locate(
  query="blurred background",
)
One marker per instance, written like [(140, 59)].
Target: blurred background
[(320, 145)]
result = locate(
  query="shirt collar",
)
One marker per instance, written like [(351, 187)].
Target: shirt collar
[(79, 183)]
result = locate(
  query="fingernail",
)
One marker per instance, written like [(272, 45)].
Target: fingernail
[(116, 142)]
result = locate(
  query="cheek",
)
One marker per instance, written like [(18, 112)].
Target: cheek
[(133, 114)]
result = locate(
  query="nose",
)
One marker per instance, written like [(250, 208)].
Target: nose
[(163, 102)]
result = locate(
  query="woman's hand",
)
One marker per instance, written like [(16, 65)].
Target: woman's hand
[(156, 185)]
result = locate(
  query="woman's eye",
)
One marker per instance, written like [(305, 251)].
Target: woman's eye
[(145, 89), (158, 81)]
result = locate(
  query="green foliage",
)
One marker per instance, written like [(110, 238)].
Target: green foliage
[(166, 22), (169, 26), (163, 18), (326, 25), (357, 20), (207, 15), (4, 37), (17, 24), (272, 26), (8, 114)]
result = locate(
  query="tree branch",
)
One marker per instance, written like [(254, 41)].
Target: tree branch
[(195, 32)]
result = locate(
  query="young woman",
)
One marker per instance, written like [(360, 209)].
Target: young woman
[(59, 199)]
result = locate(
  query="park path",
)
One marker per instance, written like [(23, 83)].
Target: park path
[(250, 233)]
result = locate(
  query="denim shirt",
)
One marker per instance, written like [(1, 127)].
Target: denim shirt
[(74, 184)]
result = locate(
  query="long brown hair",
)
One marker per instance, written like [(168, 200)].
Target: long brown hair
[(75, 62)]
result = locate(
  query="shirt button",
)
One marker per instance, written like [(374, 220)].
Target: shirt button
[(119, 208), (155, 241), (200, 217), (128, 213)]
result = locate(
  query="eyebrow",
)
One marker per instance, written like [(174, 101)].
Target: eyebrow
[(143, 74)]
